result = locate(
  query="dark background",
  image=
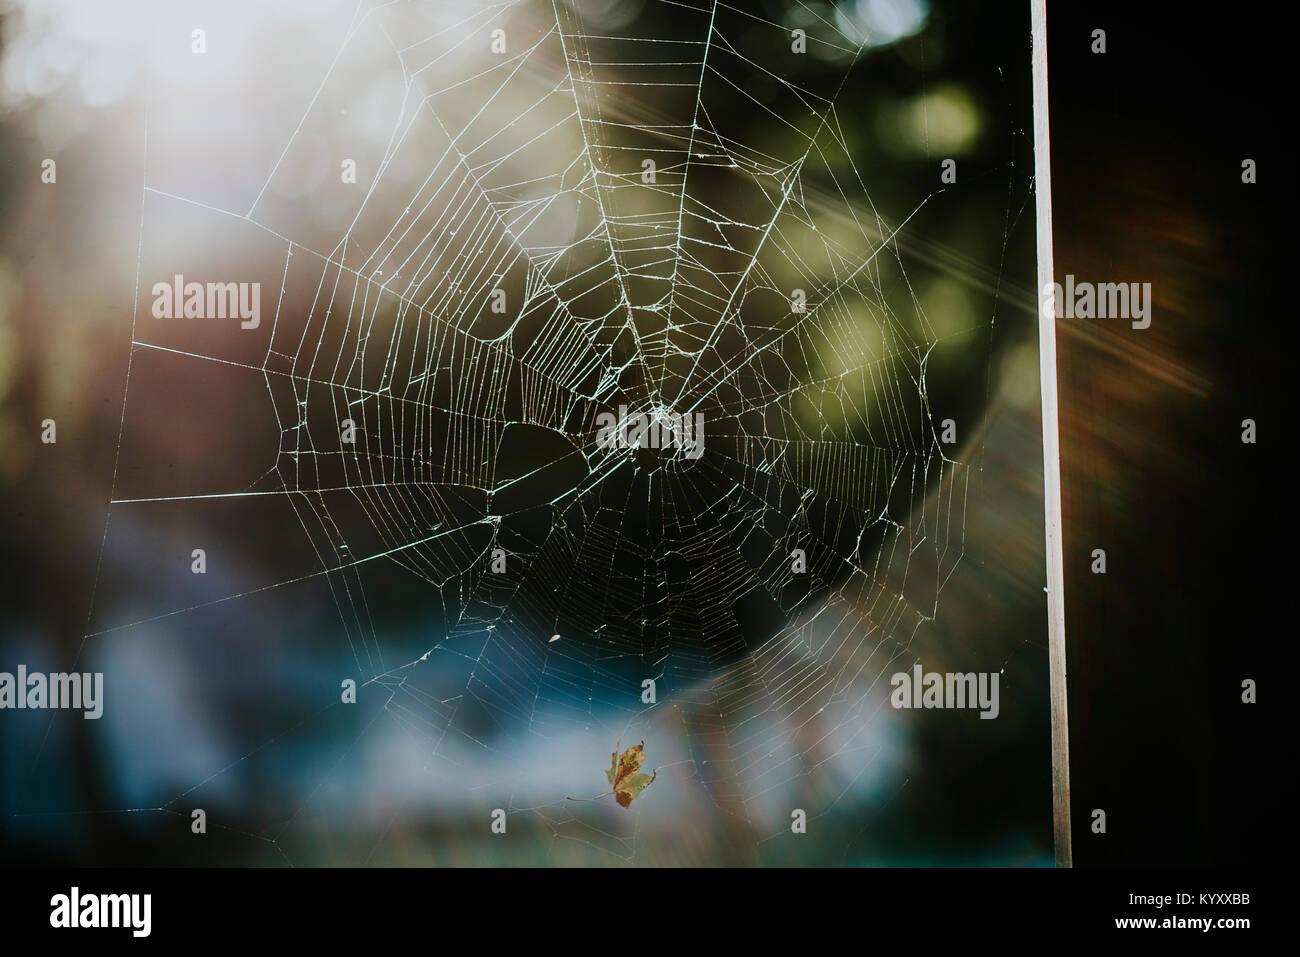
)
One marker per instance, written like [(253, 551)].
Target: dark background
[(1147, 145)]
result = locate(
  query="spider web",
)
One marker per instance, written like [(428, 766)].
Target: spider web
[(757, 282)]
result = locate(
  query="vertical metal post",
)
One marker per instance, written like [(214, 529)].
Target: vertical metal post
[(1051, 448)]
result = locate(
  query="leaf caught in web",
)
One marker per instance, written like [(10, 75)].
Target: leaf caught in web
[(625, 778), (624, 774)]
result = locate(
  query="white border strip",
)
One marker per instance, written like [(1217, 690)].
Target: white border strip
[(1051, 449)]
